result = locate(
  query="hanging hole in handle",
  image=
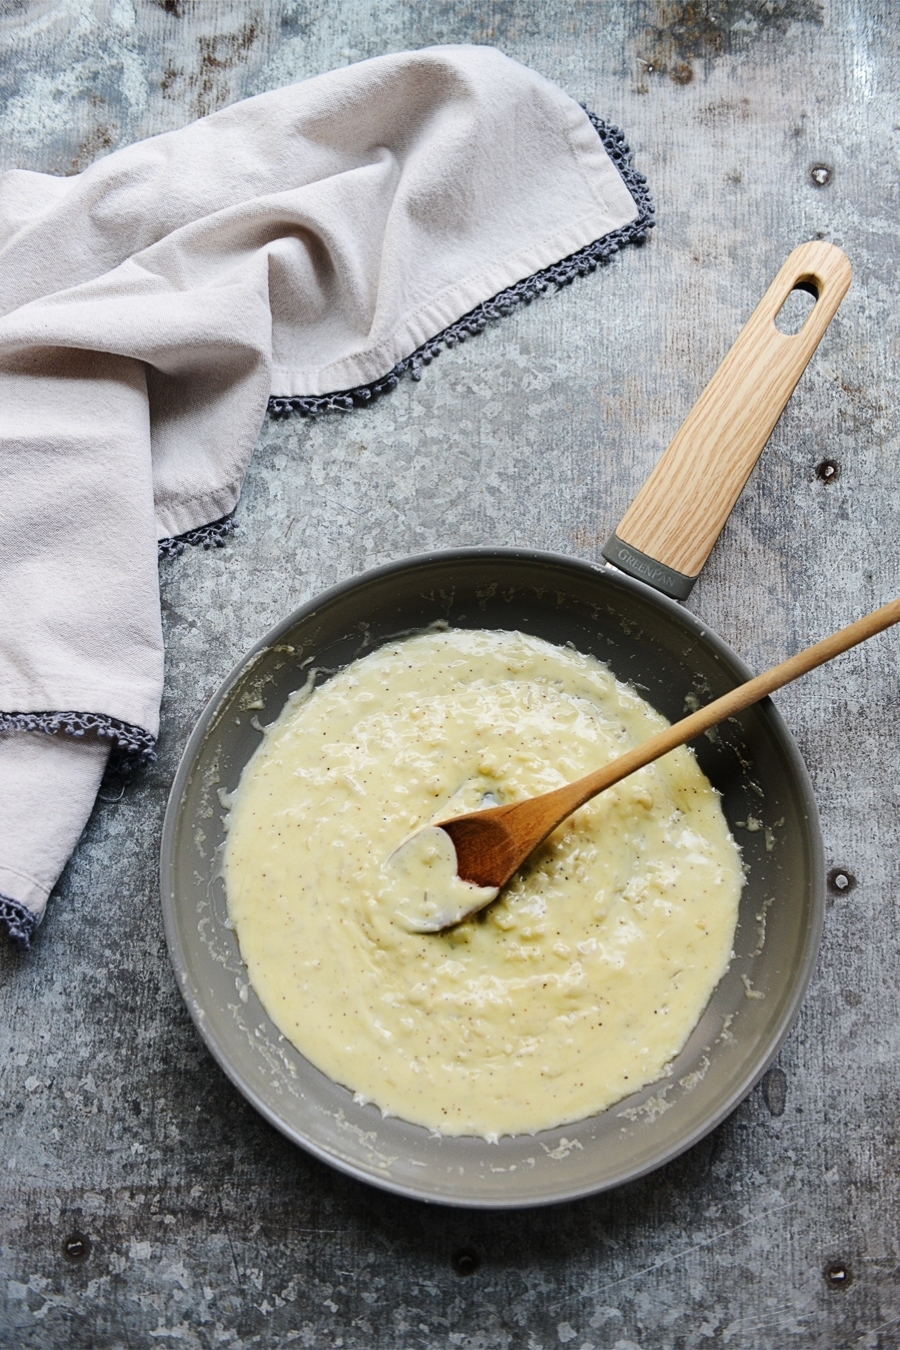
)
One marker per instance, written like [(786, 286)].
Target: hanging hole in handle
[(797, 307)]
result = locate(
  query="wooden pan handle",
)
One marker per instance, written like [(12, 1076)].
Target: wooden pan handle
[(679, 512)]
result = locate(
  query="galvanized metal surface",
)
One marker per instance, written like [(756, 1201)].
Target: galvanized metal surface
[(188, 1220)]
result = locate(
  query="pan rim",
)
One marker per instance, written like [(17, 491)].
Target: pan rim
[(193, 998)]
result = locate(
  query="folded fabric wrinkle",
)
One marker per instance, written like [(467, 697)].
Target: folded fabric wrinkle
[(301, 252), (562, 273)]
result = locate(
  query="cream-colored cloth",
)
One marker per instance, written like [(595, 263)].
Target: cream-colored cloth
[(300, 242)]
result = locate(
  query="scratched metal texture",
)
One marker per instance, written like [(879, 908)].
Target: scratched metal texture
[(199, 1226)]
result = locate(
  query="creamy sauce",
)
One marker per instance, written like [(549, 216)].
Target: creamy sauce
[(577, 986)]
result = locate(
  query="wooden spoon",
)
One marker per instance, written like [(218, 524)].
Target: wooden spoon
[(493, 844)]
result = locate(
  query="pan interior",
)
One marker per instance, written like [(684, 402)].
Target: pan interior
[(674, 663)]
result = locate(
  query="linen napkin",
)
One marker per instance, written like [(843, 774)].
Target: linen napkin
[(309, 245)]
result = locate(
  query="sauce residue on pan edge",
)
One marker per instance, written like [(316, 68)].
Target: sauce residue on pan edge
[(578, 986)]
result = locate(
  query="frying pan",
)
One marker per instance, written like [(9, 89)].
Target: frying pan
[(626, 614)]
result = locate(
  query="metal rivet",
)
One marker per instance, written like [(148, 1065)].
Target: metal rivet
[(828, 471), (841, 881), (821, 174), (76, 1247), (838, 1275), (466, 1261)]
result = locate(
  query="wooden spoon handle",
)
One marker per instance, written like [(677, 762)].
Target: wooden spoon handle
[(668, 531), (563, 801)]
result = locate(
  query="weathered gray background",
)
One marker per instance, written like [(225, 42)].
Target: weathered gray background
[(206, 1228)]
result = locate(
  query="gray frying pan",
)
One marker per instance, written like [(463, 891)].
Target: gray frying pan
[(625, 615)]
